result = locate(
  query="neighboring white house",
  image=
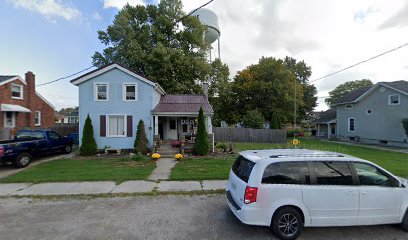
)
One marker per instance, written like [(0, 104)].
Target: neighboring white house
[(116, 98), (374, 114)]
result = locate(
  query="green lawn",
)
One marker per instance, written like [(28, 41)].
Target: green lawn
[(202, 168), (72, 170), (210, 168)]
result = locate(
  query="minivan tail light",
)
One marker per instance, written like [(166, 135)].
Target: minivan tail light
[(1, 151), (250, 194)]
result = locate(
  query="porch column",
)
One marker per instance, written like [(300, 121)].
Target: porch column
[(209, 124), (328, 131), (156, 125)]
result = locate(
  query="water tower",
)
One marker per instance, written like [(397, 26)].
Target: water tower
[(210, 19)]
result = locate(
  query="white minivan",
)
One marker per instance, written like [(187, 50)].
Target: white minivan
[(288, 189)]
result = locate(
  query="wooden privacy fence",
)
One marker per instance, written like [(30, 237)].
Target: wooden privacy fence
[(64, 129), (249, 135)]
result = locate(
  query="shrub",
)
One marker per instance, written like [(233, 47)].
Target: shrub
[(405, 125), (253, 119), (88, 143), (141, 139), (275, 122), (139, 157), (222, 146), (290, 132), (201, 145)]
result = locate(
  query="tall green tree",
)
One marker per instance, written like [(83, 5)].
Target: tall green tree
[(141, 139), (343, 89), (201, 146), (88, 144), (148, 39), (267, 86), (303, 72)]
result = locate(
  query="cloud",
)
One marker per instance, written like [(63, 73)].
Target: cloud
[(96, 16), (49, 8), (398, 19), (120, 3)]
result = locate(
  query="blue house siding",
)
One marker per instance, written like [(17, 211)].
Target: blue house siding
[(140, 109)]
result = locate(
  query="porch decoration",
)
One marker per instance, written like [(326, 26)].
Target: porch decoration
[(155, 156), (179, 156)]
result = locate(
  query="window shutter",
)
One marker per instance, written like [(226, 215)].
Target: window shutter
[(102, 125), (129, 126)]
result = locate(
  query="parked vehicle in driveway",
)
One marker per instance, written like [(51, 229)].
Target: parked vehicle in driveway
[(29, 143), (288, 189)]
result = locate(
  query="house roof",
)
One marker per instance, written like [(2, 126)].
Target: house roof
[(353, 95), (358, 94), (183, 104), (85, 77), (8, 78), (327, 116)]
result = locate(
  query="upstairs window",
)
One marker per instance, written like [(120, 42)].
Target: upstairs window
[(129, 92), (101, 92), (16, 91), (394, 99)]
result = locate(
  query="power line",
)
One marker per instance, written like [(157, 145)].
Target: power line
[(361, 62), (62, 78), (205, 4)]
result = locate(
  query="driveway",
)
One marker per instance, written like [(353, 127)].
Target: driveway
[(8, 170), (163, 217)]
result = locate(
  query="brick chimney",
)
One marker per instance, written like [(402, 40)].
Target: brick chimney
[(205, 89), (29, 96)]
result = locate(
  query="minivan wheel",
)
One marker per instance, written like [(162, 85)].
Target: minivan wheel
[(287, 223), (404, 223), (22, 160)]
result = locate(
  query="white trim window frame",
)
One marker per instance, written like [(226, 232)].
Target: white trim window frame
[(37, 117), (96, 91), (124, 92), (114, 119), (13, 85), (394, 95), (351, 125)]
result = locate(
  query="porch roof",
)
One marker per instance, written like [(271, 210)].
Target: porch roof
[(13, 108), (186, 104)]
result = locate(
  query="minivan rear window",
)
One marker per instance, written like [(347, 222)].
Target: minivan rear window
[(286, 173), (242, 167)]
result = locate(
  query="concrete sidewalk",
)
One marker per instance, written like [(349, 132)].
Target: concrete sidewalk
[(74, 188)]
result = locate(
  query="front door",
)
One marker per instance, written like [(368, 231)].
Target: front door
[(332, 199), (172, 128), (380, 196), (9, 119)]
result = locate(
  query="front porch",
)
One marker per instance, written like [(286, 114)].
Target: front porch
[(178, 127)]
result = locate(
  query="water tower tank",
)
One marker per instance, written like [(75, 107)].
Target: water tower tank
[(210, 19)]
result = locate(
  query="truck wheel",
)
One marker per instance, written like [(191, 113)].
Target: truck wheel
[(67, 149), (22, 160), (404, 223), (287, 223)]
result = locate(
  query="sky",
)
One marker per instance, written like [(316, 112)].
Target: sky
[(55, 38)]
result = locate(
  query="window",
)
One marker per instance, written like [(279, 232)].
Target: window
[(394, 99), (242, 167), (116, 126), (16, 91), (9, 119), (371, 176), (129, 92), (286, 173), (333, 173), (30, 135), (349, 106), (101, 92), (54, 135), (351, 124), (37, 118)]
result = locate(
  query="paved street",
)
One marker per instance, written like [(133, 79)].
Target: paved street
[(162, 217)]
